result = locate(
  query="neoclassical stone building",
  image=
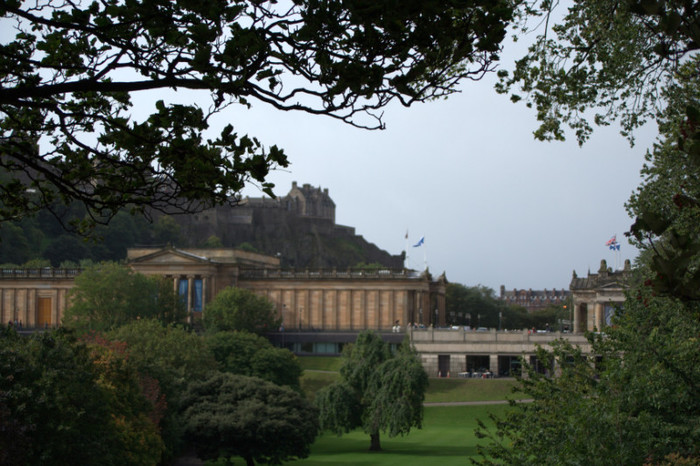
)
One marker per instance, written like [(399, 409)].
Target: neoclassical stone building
[(35, 297), (318, 300), (596, 296), (198, 274)]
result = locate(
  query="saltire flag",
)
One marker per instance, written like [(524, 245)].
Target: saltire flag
[(420, 242)]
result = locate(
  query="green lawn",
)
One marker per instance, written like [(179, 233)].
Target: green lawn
[(450, 390), (447, 438), (321, 371), (320, 363)]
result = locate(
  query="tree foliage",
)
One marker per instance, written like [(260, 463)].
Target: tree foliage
[(248, 354), (109, 295), (136, 404), (71, 71), (239, 309), (666, 206), (170, 353), (476, 306), (378, 392), (633, 401), (233, 415), (61, 403), (610, 58), (632, 61), (172, 356)]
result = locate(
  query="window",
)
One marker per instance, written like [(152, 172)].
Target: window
[(182, 288), (198, 288)]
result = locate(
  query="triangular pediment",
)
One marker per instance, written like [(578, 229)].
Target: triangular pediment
[(170, 256)]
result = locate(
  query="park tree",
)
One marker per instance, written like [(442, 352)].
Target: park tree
[(639, 398), (171, 355), (212, 242), (63, 403), (135, 401), (635, 400), (245, 353), (666, 206), (600, 61), (473, 305), (630, 61), (243, 310), (71, 72), (230, 415), (378, 391), (108, 295)]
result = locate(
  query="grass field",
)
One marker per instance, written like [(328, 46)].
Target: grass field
[(451, 390), (447, 438), (320, 363), (321, 371)]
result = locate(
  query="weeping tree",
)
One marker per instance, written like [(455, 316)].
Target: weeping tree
[(378, 391)]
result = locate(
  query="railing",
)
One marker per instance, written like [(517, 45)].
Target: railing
[(258, 274), (444, 335), (42, 272)]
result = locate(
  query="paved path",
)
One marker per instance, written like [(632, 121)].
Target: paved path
[(475, 403)]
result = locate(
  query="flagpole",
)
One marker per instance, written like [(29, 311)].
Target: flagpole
[(405, 259)]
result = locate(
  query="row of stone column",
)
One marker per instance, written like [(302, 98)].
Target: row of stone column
[(583, 321), (303, 309), (190, 289)]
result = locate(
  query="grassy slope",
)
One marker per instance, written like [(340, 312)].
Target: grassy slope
[(447, 437), (321, 371)]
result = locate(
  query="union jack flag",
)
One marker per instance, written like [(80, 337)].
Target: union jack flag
[(612, 243)]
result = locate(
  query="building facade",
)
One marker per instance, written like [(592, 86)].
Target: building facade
[(320, 300), (461, 352), (309, 300), (596, 296), (533, 300), (35, 297)]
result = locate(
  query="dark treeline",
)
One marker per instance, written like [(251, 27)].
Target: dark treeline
[(478, 306), (44, 240)]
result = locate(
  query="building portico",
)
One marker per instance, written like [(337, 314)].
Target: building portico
[(596, 297)]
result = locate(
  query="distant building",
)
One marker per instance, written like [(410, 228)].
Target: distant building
[(533, 300), (299, 228), (596, 296), (307, 300)]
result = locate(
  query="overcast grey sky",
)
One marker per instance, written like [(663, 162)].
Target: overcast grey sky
[(495, 206)]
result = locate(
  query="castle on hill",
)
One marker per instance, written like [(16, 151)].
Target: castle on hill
[(299, 227)]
